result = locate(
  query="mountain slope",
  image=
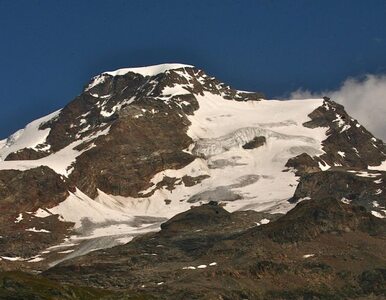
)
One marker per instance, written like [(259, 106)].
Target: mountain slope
[(141, 145), (319, 250)]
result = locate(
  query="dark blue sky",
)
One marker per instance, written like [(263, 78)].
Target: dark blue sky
[(50, 49)]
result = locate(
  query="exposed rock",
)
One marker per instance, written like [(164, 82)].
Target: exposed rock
[(123, 162), (303, 164), (310, 218), (190, 181), (29, 190), (205, 216), (348, 143), (26, 192), (255, 143), (27, 154), (360, 188)]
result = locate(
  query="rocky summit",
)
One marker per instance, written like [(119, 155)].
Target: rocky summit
[(162, 182)]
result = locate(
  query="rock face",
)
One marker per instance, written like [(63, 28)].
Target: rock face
[(360, 188), (21, 193), (26, 154), (310, 219), (29, 190), (255, 143), (348, 143), (204, 216), (139, 146)]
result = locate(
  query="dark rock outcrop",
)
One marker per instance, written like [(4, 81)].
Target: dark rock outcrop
[(303, 164), (360, 188), (204, 216), (29, 190), (26, 191), (310, 218), (348, 143), (255, 143), (27, 154)]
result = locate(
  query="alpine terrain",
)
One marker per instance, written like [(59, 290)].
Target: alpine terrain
[(162, 182)]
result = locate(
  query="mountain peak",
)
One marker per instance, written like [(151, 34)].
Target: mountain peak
[(148, 70)]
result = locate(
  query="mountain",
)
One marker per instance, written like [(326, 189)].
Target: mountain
[(139, 146)]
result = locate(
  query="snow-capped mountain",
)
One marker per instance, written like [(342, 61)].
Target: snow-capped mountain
[(140, 145)]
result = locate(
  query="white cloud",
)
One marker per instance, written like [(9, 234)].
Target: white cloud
[(364, 99)]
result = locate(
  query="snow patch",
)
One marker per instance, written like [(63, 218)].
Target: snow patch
[(125, 240), (149, 70), (60, 161), (36, 259), (377, 214), (323, 166), (345, 201), (189, 268), (29, 137), (95, 81), (365, 174), (19, 218), (33, 229), (66, 251), (16, 258), (78, 207), (381, 167)]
